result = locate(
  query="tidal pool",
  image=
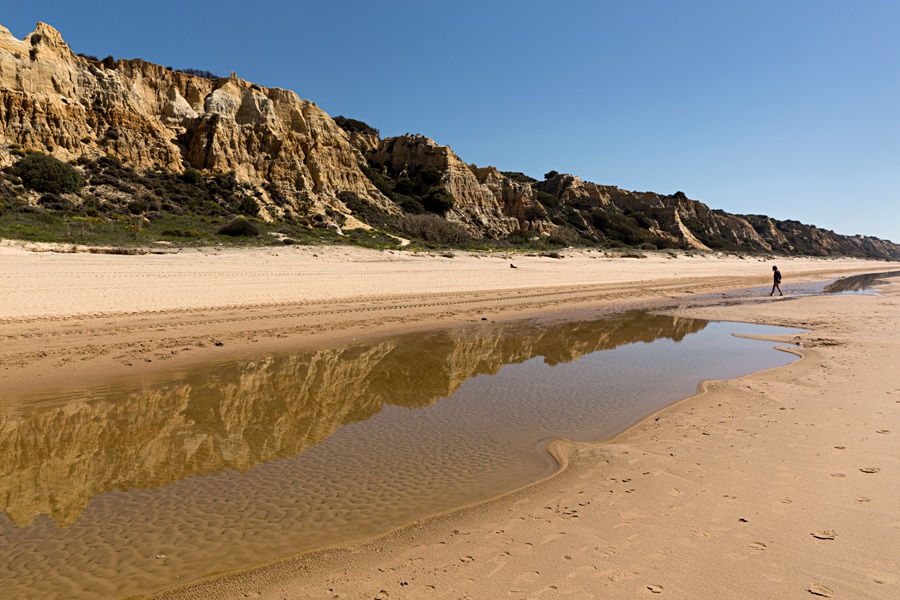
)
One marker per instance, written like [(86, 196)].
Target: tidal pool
[(859, 284), (132, 487)]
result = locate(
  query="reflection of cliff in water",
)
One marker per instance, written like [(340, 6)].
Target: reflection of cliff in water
[(235, 416), (859, 283)]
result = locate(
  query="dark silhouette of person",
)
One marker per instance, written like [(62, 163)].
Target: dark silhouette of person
[(776, 283)]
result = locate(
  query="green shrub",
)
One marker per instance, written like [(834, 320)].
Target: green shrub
[(247, 206), (548, 200), (138, 206), (44, 173), (354, 126), (404, 186), (239, 227), (200, 73), (276, 195), (640, 218), (225, 182), (54, 202), (574, 218), (383, 183), (364, 210), (430, 175), (410, 205), (191, 176), (439, 200), (518, 177), (617, 226)]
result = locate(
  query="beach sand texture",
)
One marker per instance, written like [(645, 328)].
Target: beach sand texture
[(70, 318), (778, 484)]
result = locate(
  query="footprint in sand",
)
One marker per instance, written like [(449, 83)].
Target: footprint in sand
[(656, 589), (823, 535), (883, 431), (871, 470), (820, 590), (838, 475), (757, 546)]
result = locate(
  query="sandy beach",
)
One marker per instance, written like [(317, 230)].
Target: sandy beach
[(777, 484), (69, 318)]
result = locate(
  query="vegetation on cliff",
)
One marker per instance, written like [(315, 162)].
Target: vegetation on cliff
[(116, 204), (104, 201), (127, 152)]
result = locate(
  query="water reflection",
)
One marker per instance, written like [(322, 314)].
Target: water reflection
[(126, 489), (53, 460), (859, 283)]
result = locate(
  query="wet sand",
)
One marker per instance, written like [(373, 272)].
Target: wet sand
[(228, 465), (778, 484), (781, 484)]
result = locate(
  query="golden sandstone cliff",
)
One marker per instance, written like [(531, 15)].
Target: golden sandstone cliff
[(56, 102), (302, 163)]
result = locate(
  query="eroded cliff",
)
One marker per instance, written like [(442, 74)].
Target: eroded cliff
[(291, 161), (150, 117)]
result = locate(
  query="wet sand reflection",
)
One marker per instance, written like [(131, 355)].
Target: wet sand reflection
[(118, 491)]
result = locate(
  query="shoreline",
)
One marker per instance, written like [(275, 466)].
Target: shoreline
[(559, 450), (781, 529)]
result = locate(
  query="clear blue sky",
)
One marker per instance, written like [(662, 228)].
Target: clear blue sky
[(787, 108)]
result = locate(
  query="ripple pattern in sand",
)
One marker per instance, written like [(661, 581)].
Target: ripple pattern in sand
[(379, 469)]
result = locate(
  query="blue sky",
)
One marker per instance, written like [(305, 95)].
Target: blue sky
[(788, 108)]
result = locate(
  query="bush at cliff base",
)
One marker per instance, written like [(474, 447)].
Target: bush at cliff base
[(239, 228), (43, 173)]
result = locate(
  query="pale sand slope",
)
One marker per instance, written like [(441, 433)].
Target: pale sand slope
[(69, 319), (782, 484)]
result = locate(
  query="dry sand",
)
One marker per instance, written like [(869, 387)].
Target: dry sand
[(68, 318), (777, 485)]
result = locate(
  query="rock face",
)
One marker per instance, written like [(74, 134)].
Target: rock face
[(149, 117), (303, 162), (486, 202), (687, 223)]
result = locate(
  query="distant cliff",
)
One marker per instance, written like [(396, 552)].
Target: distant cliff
[(267, 153)]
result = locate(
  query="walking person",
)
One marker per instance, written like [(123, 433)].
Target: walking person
[(776, 284)]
